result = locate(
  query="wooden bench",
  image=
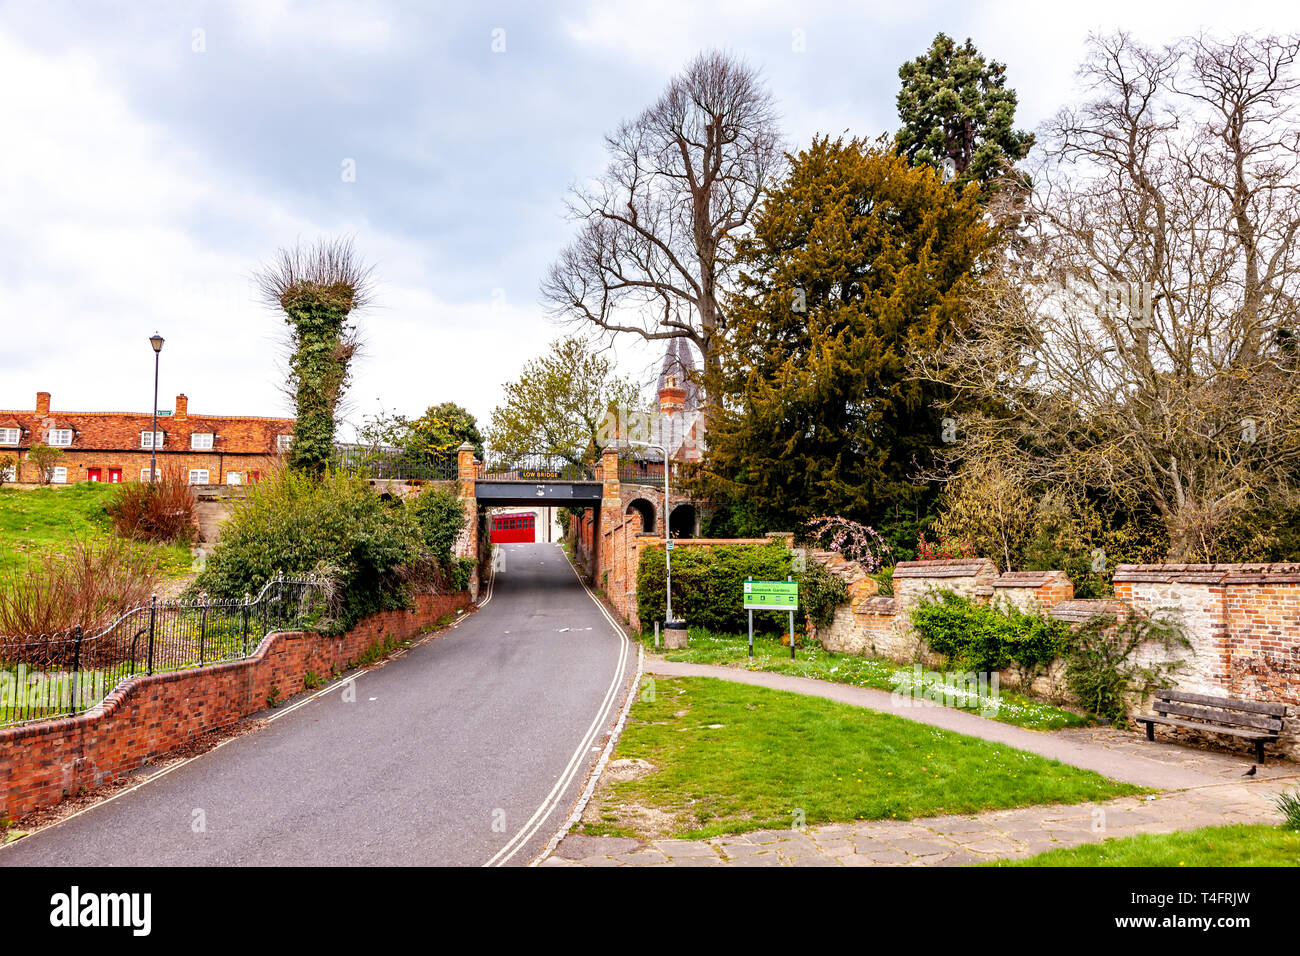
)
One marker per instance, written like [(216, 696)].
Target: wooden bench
[(1253, 720)]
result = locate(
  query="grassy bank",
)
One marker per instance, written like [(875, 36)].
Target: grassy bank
[(728, 758), (44, 521), (707, 647)]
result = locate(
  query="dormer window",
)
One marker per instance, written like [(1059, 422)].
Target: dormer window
[(201, 441), (10, 436), (60, 437), (151, 439)]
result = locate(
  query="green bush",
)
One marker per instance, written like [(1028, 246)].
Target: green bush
[(820, 593), (979, 637), (440, 514), (709, 585), (1100, 670), (336, 524)]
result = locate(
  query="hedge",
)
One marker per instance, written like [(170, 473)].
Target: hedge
[(979, 637), (708, 585)]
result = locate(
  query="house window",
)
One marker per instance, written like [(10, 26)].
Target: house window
[(234, 478), (10, 436), (60, 437), (201, 441), (59, 475), (151, 439), (282, 442), (10, 473), (198, 476), (144, 474)]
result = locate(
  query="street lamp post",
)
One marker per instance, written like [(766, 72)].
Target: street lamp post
[(156, 341), (668, 552)]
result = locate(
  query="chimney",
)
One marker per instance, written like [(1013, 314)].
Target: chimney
[(182, 407), (42, 403)]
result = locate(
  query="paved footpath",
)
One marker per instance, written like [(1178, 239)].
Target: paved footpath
[(1202, 788)]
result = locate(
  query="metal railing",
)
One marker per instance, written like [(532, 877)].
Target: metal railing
[(534, 466), (397, 464), (67, 673), (640, 472)]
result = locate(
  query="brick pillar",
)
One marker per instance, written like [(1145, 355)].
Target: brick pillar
[(610, 519), (467, 543)]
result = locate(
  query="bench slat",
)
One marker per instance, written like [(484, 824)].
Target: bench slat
[(1227, 703), (1193, 725), (1270, 724)]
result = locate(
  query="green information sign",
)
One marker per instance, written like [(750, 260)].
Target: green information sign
[(771, 595)]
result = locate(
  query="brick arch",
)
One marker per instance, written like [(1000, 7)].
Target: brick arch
[(646, 510)]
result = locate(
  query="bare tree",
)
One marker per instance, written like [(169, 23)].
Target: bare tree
[(656, 247), (1143, 337)]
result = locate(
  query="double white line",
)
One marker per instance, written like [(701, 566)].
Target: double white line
[(579, 758)]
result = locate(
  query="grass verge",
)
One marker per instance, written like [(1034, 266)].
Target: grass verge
[(708, 647), (727, 758), (1238, 845)]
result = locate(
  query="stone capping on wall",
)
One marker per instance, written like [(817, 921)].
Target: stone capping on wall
[(1027, 579), (952, 568), (1276, 573)]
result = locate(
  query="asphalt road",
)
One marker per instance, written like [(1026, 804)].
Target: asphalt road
[(471, 749)]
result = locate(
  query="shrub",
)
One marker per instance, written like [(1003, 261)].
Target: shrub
[(820, 593), (856, 542), (44, 458), (945, 549), (161, 511), (708, 585), (1288, 804), (335, 525), (1100, 671), (7, 462), (87, 585), (979, 637), (440, 514)]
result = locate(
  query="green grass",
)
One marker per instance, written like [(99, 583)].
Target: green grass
[(708, 647), (41, 521), (1238, 845), (729, 758)]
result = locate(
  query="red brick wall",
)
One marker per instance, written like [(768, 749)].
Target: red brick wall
[(146, 717)]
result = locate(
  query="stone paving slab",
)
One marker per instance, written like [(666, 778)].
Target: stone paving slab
[(942, 841)]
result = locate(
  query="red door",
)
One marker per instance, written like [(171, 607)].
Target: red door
[(94, 474), (115, 476)]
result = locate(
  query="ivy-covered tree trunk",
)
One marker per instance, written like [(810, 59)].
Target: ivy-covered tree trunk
[(317, 288)]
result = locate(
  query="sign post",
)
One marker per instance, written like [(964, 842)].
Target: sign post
[(771, 596)]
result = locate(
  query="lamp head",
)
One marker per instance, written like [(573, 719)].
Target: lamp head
[(156, 341)]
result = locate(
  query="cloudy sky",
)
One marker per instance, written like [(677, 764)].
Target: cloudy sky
[(153, 154)]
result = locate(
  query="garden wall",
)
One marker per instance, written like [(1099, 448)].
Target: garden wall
[(145, 717), (1242, 621)]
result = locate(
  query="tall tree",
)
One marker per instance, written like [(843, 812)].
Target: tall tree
[(655, 251), (856, 260), (443, 428), (317, 287), (1142, 341), (559, 403), (954, 105)]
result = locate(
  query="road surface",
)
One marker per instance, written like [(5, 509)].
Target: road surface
[(472, 749)]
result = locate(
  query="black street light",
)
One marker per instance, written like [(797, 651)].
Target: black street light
[(156, 341)]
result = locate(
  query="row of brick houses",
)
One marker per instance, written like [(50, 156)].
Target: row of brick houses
[(116, 446)]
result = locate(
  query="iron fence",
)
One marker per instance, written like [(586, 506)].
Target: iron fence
[(639, 471), (64, 674), (535, 466), (398, 464)]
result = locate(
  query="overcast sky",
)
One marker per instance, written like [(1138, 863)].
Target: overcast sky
[(153, 154)]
